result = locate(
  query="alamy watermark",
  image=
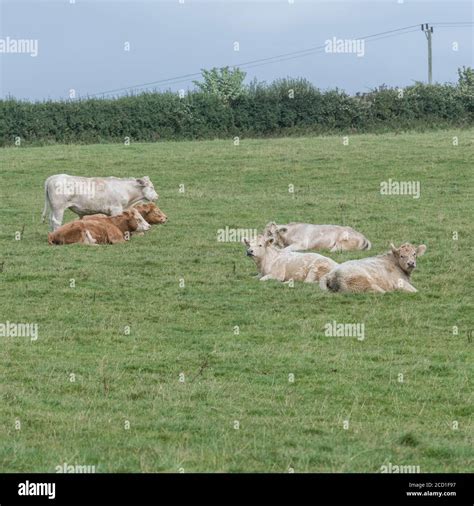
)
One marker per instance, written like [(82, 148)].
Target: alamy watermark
[(11, 329), (345, 46), (335, 329), (74, 468), (399, 469), (36, 489), (236, 234), (19, 46), (86, 187), (392, 187)]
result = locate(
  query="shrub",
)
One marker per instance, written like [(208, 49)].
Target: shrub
[(283, 107)]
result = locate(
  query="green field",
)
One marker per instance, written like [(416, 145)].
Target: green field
[(191, 425)]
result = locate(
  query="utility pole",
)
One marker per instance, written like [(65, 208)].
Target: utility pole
[(428, 30)]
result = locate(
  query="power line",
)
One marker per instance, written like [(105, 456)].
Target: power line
[(320, 47), (454, 26), (321, 51), (277, 58), (165, 81), (197, 74), (453, 23)]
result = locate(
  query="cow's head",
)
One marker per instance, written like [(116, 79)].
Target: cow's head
[(276, 232), (135, 221), (270, 229), (257, 247), (406, 255), (148, 190), (152, 214)]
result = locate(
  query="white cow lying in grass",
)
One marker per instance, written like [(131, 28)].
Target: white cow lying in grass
[(284, 265), (383, 273), (93, 195), (305, 236)]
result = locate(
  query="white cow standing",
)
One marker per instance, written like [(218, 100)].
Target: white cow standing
[(93, 195)]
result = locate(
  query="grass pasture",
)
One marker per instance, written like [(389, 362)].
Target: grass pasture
[(239, 377)]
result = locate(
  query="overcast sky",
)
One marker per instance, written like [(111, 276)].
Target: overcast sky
[(82, 44)]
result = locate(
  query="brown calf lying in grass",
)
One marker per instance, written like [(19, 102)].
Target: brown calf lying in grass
[(284, 265), (104, 230), (383, 273)]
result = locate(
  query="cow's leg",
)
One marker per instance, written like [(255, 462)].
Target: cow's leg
[(115, 236), (56, 218), (312, 276), (377, 288), (279, 273), (88, 239), (408, 288)]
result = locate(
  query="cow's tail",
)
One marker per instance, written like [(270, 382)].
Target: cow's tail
[(47, 202)]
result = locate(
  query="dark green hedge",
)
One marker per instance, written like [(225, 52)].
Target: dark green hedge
[(262, 110)]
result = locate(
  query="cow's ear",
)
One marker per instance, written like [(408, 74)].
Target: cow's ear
[(283, 229), (393, 248), (143, 181), (270, 240), (246, 241), (420, 251)]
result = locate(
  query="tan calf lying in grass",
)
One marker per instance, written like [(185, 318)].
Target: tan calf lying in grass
[(305, 236), (149, 212), (284, 265), (383, 273), (105, 230)]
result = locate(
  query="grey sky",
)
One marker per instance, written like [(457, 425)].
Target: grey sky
[(81, 45)]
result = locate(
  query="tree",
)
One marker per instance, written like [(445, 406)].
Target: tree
[(223, 82), (466, 80)]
